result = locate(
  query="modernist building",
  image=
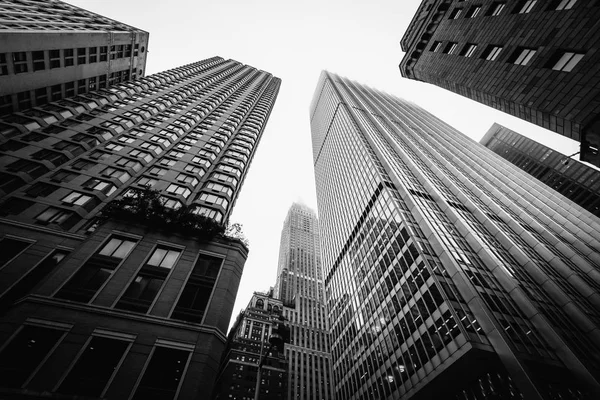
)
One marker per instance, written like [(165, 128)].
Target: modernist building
[(571, 178), (50, 50), (535, 60), (300, 286), (113, 308), (449, 273), (247, 343)]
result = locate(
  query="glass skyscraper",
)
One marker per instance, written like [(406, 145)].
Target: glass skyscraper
[(300, 286), (448, 273), (134, 302)]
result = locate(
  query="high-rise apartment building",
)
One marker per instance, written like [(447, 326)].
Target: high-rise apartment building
[(448, 273), (574, 180), (247, 344), (535, 60), (126, 299), (50, 50), (300, 286)]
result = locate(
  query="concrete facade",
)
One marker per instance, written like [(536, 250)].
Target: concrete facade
[(509, 56)]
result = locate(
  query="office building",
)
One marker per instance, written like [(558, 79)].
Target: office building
[(448, 272), (116, 280), (574, 180), (248, 342), (535, 60), (300, 286), (51, 50)]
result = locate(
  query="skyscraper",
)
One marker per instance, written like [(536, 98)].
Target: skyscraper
[(50, 50), (128, 298), (300, 286), (247, 343), (535, 60), (574, 180), (448, 273)]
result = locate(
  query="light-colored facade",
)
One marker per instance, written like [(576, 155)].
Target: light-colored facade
[(153, 290), (50, 50), (449, 273), (300, 286)]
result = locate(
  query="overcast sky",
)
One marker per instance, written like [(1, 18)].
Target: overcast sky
[(295, 40)]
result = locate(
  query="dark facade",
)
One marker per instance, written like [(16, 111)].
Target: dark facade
[(247, 342), (300, 282), (50, 50), (448, 273), (536, 60), (155, 299), (571, 178)]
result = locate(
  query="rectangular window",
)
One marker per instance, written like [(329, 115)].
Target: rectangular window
[(143, 290), (76, 199), (128, 163), (179, 190), (94, 367), (3, 66), (163, 374), (41, 189), (96, 271), (68, 57), (10, 248), (158, 171), (491, 52), (93, 54), (454, 14), (103, 53), (116, 173), (522, 56), (81, 56), (19, 62), (468, 50), (496, 9), (39, 63), (436, 46), (473, 11), (54, 58), (83, 164), (196, 293), (525, 6), (565, 61), (25, 352), (58, 216), (562, 4)]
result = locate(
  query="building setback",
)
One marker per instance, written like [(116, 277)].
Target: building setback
[(247, 342), (50, 50), (571, 178), (300, 286), (536, 60), (124, 308), (448, 273)]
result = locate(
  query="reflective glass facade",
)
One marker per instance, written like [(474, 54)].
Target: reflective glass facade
[(443, 276)]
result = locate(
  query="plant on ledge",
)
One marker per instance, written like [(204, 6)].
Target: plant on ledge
[(145, 206)]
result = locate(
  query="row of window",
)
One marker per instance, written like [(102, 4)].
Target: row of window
[(497, 8), (28, 61), (561, 60)]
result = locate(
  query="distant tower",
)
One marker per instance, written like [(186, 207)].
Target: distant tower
[(571, 178), (130, 306), (532, 59), (449, 274), (50, 50), (300, 286)]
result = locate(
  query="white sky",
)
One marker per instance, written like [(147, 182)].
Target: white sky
[(295, 40)]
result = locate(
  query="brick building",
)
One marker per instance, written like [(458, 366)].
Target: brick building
[(574, 180), (137, 305), (50, 50), (536, 60)]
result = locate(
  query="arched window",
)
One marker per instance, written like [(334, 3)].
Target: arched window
[(260, 303), (275, 309)]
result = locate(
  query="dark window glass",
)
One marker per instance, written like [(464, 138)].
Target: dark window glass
[(163, 374), (24, 354), (9, 248), (38, 60), (93, 369)]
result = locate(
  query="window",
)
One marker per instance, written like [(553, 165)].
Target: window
[(522, 56), (19, 62), (93, 54), (454, 14), (212, 199), (176, 154), (103, 53), (102, 355), (473, 11), (187, 179), (81, 56), (68, 57), (54, 215), (39, 63), (25, 352), (113, 147), (128, 163), (167, 162), (158, 171), (141, 154), (198, 289), (41, 189), (170, 203), (10, 248), (116, 173), (143, 290), (496, 9), (194, 170), (491, 52), (96, 271), (525, 6), (83, 164), (145, 181), (562, 4), (102, 186), (565, 61), (219, 188), (3, 66), (163, 374), (225, 178), (24, 99), (76, 199), (468, 50), (179, 190), (32, 278)]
